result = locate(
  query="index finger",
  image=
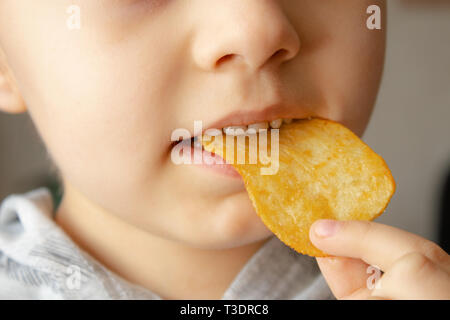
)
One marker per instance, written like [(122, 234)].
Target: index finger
[(376, 244)]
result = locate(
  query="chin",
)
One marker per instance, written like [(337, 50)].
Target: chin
[(232, 223)]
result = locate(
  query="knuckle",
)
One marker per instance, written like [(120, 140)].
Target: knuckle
[(415, 265), (412, 270), (434, 252)]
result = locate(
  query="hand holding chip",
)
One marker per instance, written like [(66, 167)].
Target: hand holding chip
[(327, 172), (414, 267)]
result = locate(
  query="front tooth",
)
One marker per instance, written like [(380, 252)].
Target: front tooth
[(235, 130), (276, 124), (259, 126), (287, 121)]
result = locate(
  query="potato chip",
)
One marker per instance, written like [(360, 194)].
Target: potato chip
[(325, 172)]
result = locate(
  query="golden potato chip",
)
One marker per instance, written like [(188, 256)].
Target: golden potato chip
[(325, 172)]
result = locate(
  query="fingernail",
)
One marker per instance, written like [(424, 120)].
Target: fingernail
[(326, 228)]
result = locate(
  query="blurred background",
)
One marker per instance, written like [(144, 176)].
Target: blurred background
[(410, 127)]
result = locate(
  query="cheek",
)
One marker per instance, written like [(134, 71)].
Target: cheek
[(116, 122), (350, 74), (105, 107), (360, 86), (341, 58)]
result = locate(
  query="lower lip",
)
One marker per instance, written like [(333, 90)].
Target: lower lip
[(223, 169)]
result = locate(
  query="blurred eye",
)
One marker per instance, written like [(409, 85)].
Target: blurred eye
[(139, 7), (146, 2)]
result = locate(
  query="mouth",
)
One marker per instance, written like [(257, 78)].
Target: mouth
[(240, 129), (214, 161)]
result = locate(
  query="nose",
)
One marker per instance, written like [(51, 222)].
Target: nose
[(253, 33)]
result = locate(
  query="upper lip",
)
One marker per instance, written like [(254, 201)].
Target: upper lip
[(246, 117)]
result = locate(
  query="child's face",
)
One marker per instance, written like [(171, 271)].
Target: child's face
[(107, 97)]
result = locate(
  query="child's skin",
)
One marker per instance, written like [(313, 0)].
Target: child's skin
[(106, 98)]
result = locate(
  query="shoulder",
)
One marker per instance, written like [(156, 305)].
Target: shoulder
[(18, 281), (24, 221)]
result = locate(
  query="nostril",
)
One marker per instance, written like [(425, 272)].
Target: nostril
[(225, 59), (280, 54)]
